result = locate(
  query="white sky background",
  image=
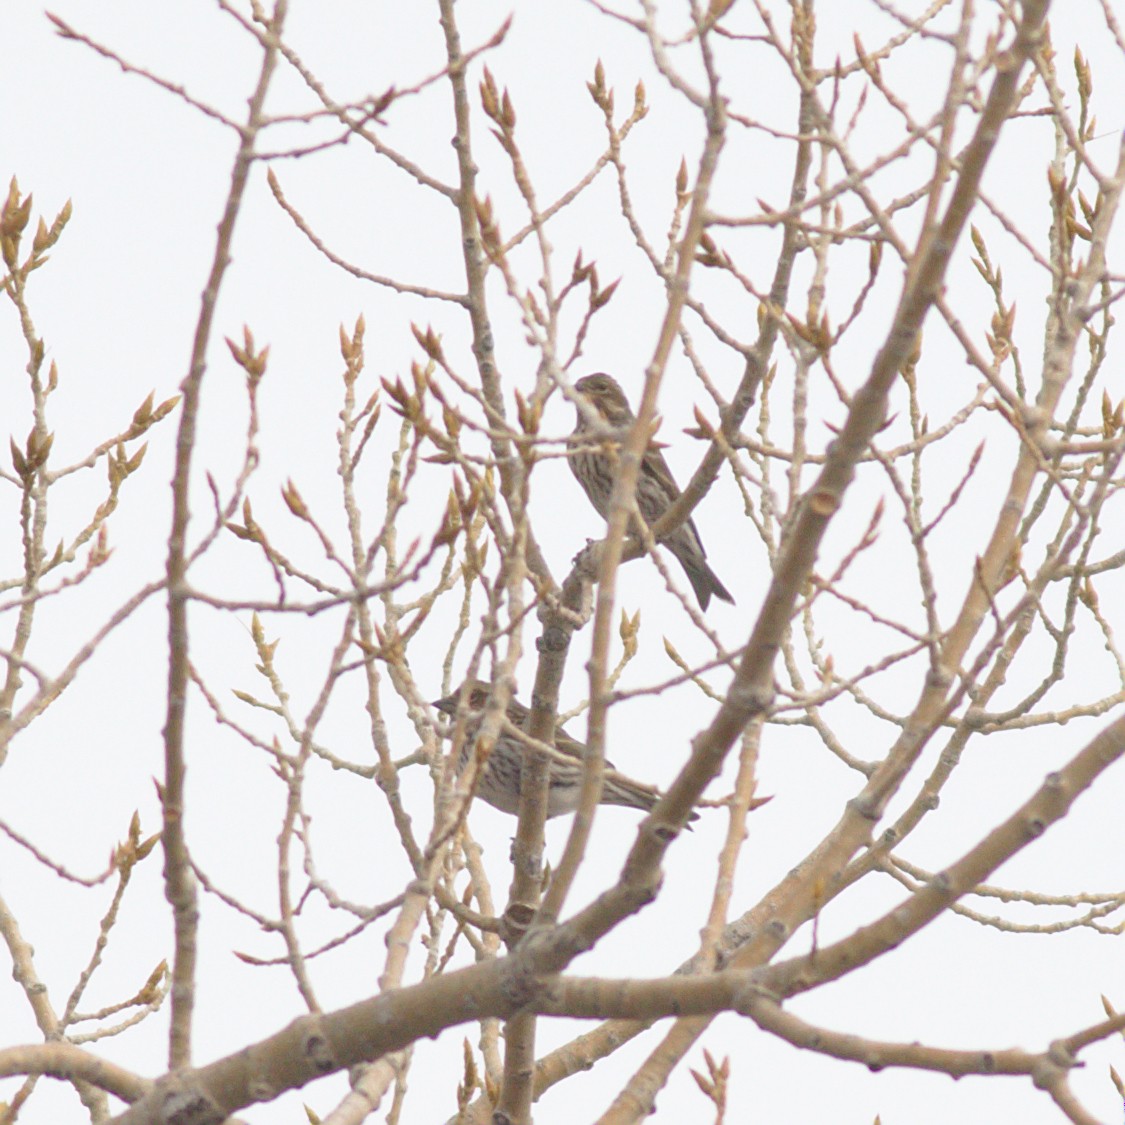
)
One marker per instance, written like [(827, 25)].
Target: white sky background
[(117, 305)]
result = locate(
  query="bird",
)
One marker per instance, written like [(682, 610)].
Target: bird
[(499, 782), (593, 460)]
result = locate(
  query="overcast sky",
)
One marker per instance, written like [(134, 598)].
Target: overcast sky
[(117, 305)]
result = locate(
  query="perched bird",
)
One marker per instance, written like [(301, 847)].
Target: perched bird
[(499, 784), (593, 460)]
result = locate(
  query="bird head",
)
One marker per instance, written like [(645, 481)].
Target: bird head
[(605, 395), (474, 693)]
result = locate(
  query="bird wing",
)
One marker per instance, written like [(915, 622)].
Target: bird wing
[(572, 748), (653, 465)]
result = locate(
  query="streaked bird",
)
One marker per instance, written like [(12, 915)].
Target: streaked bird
[(499, 783), (594, 459)]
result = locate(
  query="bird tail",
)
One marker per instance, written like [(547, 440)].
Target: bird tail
[(617, 790), (620, 790), (704, 581)]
